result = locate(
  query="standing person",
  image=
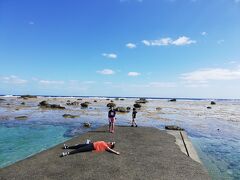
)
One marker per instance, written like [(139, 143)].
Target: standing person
[(134, 114), (111, 118)]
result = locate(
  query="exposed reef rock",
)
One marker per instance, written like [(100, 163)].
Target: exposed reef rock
[(21, 117), (27, 96), (111, 105), (122, 109), (44, 104), (141, 100), (213, 103), (75, 103), (70, 116), (174, 128), (137, 105), (86, 125), (84, 105)]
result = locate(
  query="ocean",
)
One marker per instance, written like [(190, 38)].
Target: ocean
[(213, 131)]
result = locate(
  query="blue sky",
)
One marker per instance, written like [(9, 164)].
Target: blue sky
[(155, 48)]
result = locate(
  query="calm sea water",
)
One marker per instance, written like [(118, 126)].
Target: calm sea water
[(214, 132)]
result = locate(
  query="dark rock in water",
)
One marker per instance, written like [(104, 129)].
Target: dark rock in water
[(209, 107), (141, 100), (128, 108), (95, 101), (23, 103), (137, 105), (75, 103), (44, 104), (21, 117), (122, 109), (8, 104), (84, 105), (116, 99), (27, 96), (86, 125), (56, 106), (79, 99), (107, 99), (111, 101), (173, 100), (111, 105), (68, 101), (122, 99), (2, 99), (158, 108), (213, 103), (70, 116), (174, 128)]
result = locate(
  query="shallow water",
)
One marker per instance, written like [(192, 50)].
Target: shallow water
[(214, 132)]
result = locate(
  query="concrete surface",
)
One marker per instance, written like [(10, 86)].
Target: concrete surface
[(146, 153), (186, 148)]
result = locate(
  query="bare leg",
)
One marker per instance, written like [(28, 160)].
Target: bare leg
[(134, 122), (112, 127)]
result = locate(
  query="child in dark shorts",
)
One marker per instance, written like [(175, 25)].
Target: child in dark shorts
[(111, 118), (134, 114)]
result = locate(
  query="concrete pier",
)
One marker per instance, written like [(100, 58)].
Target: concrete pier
[(146, 153)]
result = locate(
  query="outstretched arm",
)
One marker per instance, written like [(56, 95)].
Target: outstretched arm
[(112, 151)]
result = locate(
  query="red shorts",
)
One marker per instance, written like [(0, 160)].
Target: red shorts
[(111, 120)]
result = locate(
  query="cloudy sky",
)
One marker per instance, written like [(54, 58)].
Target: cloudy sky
[(154, 48)]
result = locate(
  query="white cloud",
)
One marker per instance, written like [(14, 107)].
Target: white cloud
[(183, 40), (134, 74), (158, 42), (146, 42), (131, 45), (13, 80), (205, 75), (110, 55), (47, 82), (106, 72), (203, 33)]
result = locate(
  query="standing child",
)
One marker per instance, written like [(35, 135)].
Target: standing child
[(111, 118), (134, 114)]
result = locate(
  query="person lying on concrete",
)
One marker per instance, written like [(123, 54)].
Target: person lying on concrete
[(98, 146)]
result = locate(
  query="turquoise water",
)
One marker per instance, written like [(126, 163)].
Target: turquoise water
[(18, 141)]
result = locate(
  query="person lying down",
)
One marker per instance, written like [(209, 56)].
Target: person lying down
[(98, 146)]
